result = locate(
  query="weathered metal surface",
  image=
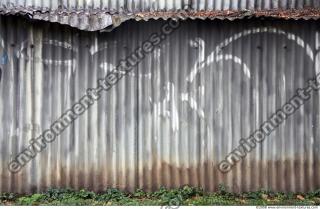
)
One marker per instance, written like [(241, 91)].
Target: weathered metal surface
[(173, 118), (95, 15)]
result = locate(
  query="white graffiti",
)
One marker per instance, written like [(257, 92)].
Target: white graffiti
[(172, 97), (168, 106)]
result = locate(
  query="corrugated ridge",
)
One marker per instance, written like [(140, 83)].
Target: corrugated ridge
[(99, 14), (125, 6)]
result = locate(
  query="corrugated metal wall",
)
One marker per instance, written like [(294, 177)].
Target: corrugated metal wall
[(170, 121)]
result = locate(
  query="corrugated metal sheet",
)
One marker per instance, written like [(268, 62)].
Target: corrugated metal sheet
[(98, 14), (169, 122)]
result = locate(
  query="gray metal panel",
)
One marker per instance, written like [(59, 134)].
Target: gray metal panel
[(169, 122), (94, 15)]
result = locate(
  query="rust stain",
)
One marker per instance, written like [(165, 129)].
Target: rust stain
[(277, 13), (283, 176), (307, 12), (95, 17)]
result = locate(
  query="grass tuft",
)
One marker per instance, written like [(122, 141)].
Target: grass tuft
[(174, 197)]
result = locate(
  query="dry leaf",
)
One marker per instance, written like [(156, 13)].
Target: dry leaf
[(264, 196), (300, 197), (242, 201)]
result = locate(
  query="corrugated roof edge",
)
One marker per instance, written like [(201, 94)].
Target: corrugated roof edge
[(103, 20)]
